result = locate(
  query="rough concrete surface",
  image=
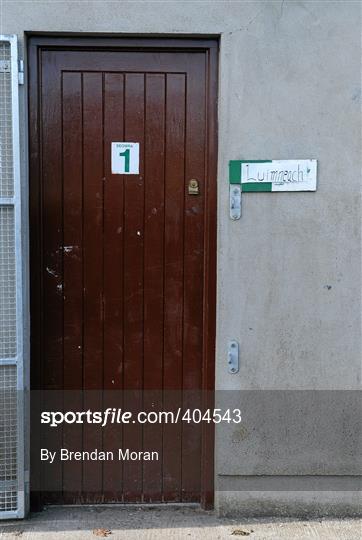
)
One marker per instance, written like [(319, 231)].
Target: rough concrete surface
[(174, 522)]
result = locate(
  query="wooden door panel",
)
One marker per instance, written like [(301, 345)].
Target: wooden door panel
[(121, 275), (72, 286)]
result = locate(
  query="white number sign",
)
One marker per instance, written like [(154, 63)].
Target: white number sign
[(125, 157)]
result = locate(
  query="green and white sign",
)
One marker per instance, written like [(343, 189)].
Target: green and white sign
[(125, 157), (274, 175)]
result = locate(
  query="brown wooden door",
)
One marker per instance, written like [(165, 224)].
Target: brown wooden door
[(122, 266)]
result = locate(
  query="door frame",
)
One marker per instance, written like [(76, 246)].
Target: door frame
[(210, 45)]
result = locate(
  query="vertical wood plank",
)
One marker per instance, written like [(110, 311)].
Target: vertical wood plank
[(173, 289), (113, 282), (52, 305), (72, 289), (92, 275), (133, 284), (193, 277), (153, 278)]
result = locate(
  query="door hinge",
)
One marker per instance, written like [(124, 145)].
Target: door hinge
[(21, 71)]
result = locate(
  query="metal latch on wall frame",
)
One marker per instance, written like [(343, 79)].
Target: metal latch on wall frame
[(21, 71), (233, 357), (5, 67), (235, 201)]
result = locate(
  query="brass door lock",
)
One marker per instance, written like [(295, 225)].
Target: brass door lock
[(193, 188)]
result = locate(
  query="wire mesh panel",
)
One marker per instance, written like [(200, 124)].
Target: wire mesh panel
[(6, 145), (11, 291), (8, 439), (7, 283)]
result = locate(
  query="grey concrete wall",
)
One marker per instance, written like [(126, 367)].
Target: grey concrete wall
[(289, 272)]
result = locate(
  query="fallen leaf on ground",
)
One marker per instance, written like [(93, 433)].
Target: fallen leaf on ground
[(240, 532), (102, 532)]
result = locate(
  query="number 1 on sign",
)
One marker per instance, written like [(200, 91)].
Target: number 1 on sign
[(125, 154)]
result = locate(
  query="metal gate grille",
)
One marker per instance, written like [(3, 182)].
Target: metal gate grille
[(11, 321), (6, 132), (7, 283), (8, 439)]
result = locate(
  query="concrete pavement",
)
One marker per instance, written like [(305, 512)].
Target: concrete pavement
[(171, 522)]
